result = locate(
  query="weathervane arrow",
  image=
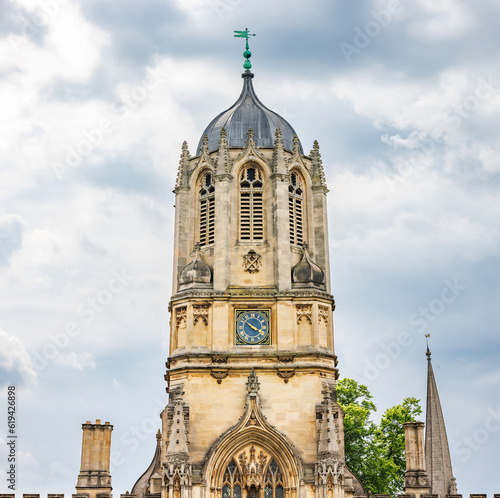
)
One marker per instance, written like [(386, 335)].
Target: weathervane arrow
[(247, 54)]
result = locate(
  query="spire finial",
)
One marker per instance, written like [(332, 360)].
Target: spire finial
[(428, 352), (204, 141), (253, 384), (250, 136), (247, 54)]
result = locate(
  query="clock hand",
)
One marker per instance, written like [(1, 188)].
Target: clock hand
[(251, 326)]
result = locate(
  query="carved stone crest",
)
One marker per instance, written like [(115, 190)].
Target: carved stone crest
[(252, 261)]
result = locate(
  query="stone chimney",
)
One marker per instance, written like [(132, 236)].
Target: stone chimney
[(94, 479), (416, 478)]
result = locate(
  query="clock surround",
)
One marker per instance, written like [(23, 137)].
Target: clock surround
[(252, 327)]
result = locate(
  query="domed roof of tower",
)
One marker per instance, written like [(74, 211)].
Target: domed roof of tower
[(195, 272), (248, 112), (306, 272)]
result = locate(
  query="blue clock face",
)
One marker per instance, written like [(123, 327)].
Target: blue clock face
[(252, 327)]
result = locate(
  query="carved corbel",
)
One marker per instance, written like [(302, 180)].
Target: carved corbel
[(285, 374), (219, 374)]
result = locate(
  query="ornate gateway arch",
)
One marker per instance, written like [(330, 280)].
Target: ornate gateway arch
[(252, 459)]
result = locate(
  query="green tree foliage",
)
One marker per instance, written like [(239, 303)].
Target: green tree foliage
[(375, 453)]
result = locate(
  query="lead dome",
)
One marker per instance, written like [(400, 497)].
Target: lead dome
[(248, 112)]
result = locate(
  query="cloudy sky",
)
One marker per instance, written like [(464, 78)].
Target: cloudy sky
[(97, 97)]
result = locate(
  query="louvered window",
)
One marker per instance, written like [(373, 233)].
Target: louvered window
[(206, 197), (296, 208), (251, 204)]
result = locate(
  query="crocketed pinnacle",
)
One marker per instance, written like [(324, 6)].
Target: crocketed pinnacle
[(177, 443)]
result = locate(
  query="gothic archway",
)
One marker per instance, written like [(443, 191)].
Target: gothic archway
[(253, 458), (253, 471)]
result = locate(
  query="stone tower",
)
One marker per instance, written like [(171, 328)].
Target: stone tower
[(251, 374)]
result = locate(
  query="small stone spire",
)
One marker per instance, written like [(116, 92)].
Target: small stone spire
[(318, 172), (279, 161), (223, 159), (329, 468), (296, 145), (328, 445), (253, 384), (204, 146), (437, 452), (250, 137), (183, 171), (177, 443)]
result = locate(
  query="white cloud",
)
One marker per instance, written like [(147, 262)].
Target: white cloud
[(15, 362), (439, 21), (70, 48), (77, 361), (12, 228)]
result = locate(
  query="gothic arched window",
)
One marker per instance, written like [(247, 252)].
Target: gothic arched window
[(231, 486), (296, 208), (251, 204), (206, 202), (273, 483)]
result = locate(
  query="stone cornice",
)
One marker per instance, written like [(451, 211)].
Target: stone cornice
[(257, 293), (231, 356)]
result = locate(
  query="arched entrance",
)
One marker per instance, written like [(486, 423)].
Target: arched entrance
[(252, 459), (253, 473)]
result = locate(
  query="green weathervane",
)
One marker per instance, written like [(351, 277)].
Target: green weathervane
[(247, 54)]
